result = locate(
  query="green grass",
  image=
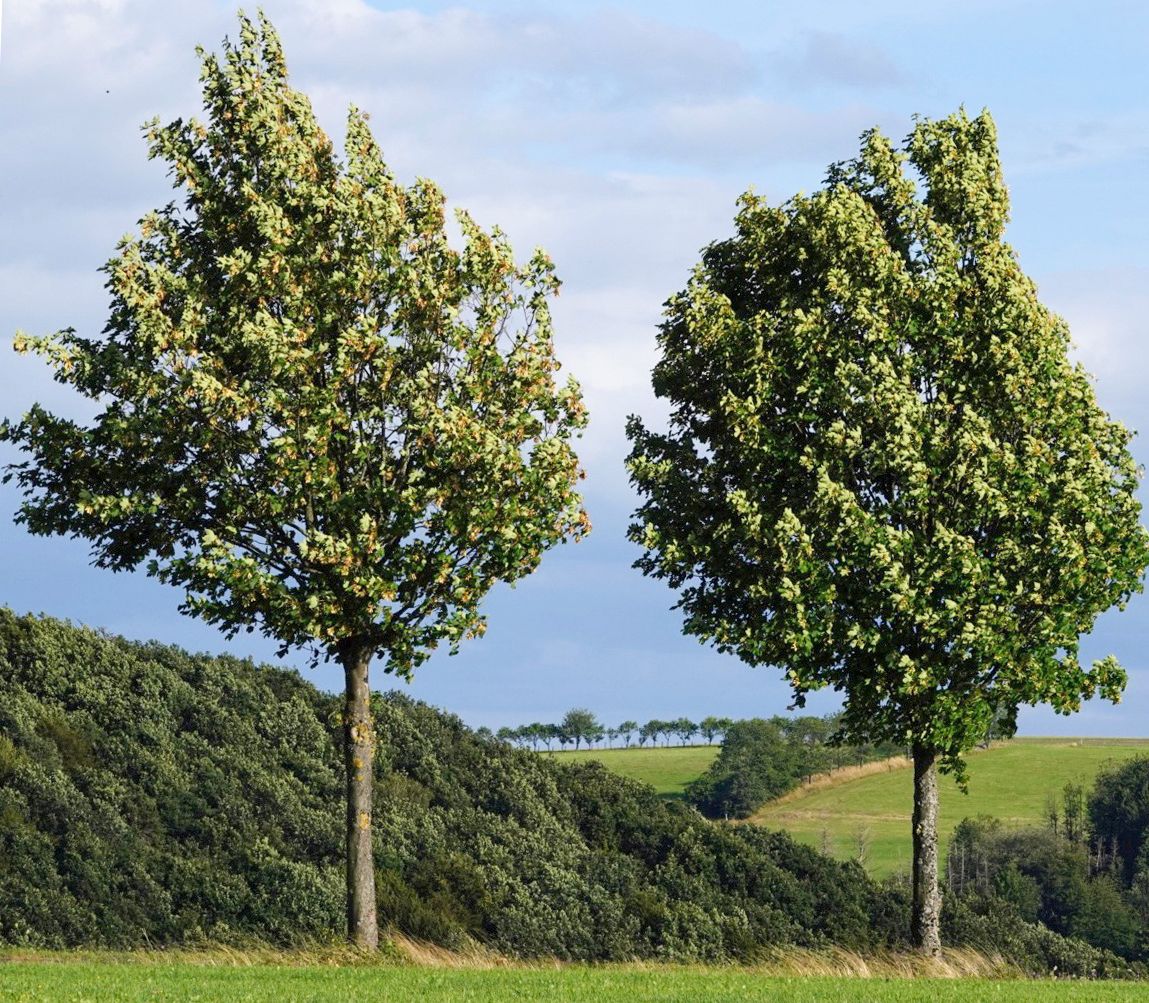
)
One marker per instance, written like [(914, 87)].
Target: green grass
[(165, 983), (667, 769), (1011, 782)]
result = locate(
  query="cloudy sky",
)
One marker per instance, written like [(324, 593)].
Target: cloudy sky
[(617, 137)]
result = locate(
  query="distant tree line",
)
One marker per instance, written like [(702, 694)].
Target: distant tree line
[(581, 727)]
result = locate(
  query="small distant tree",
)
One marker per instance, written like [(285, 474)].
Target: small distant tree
[(685, 729), (882, 471), (580, 725), (535, 733), (710, 728), (549, 733), (1073, 815), (315, 416), (648, 732), (656, 729), (626, 730)]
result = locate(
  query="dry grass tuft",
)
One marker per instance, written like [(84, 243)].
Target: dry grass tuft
[(954, 963), (474, 955)]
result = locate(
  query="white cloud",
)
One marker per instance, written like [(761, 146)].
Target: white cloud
[(1108, 316)]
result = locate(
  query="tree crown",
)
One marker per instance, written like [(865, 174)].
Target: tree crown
[(882, 471), (319, 418)]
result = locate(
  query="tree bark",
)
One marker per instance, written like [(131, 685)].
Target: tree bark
[(359, 758), (926, 917)]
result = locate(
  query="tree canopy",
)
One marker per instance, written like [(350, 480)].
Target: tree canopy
[(882, 471)]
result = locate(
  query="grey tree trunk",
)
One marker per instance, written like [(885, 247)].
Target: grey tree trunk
[(927, 902), (358, 758)]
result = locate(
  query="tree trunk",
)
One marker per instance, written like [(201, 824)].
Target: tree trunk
[(359, 758), (926, 918)]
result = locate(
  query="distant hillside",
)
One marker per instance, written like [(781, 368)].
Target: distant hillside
[(152, 796), (869, 809)]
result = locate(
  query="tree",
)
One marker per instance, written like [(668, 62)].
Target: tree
[(580, 725), (653, 729), (535, 732), (547, 733), (710, 727), (882, 472), (626, 729), (1118, 808), (320, 420), (684, 728)]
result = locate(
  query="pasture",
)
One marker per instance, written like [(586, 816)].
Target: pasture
[(668, 769)]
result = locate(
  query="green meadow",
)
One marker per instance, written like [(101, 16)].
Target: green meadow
[(1011, 781), (668, 769), (73, 982)]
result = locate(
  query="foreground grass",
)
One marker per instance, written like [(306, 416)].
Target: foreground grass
[(667, 769), (73, 982), (1012, 782)]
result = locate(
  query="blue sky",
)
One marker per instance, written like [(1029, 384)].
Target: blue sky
[(617, 137)]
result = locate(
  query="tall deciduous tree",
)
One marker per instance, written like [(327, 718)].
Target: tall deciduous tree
[(318, 418), (882, 471)]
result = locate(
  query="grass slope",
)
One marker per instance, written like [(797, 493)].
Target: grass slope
[(1011, 781), (667, 769), (70, 982)]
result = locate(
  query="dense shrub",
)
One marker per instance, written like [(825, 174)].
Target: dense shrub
[(149, 795), (1035, 949)]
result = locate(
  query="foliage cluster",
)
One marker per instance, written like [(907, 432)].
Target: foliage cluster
[(149, 795), (763, 759)]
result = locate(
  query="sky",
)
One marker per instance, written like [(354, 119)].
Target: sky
[(617, 137)]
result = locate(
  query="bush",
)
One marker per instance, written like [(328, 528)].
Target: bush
[(152, 796)]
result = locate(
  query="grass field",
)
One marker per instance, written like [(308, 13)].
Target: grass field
[(667, 769), (1011, 781), (72, 982)]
